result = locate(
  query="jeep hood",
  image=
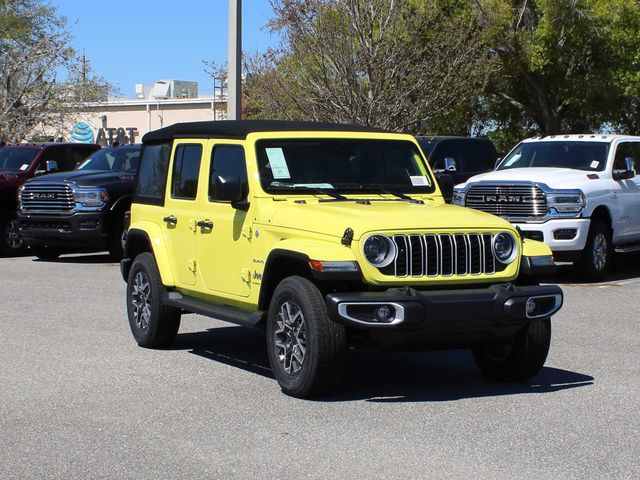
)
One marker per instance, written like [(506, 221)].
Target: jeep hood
[(88, 178), (557, 178), (332, 218)]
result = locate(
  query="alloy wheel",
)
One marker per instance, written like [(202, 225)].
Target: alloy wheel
[(291, 337), (12, 236), (141, 300), (600, 251)]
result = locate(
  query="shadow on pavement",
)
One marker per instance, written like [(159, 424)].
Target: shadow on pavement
[(93, 258), (377, 376), (625, 266)]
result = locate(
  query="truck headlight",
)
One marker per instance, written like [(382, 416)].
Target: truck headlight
[(379, 250), (458, 197), (569, 202), (90, 198), (504, 247)]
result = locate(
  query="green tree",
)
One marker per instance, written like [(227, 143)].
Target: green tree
[(568, 65)]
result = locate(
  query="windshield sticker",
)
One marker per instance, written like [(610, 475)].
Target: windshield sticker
[(419, 180), (24, 167), (595, 164), (279, 168)]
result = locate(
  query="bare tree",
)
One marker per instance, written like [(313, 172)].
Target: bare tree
[(387, 63)]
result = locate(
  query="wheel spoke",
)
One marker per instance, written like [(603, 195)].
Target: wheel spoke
[(290, 337)]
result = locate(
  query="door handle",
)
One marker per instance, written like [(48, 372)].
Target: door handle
[(206, 224), (170, 220)]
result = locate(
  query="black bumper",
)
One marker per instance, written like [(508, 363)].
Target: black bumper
[(79, 230), (452, 317)]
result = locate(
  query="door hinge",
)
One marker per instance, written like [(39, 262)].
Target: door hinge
[(246, 232), (245, 275), (191, 264)]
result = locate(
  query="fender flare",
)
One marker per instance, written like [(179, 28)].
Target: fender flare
[(154, 237)]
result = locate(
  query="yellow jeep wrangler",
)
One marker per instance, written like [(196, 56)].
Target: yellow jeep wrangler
[(330, 236)]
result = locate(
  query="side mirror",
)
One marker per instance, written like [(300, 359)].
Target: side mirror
[(445, 182), (628, 171), (230, 189), (51, 166), (495, 165), (450, 164)]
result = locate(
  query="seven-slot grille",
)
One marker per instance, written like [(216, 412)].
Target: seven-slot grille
[(508, 200), (443, 254), (47, 197)]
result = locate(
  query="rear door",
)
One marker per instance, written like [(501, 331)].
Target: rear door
[(181, 208), (628, 193)]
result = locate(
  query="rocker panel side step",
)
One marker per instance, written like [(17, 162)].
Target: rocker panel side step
[(219, 312)]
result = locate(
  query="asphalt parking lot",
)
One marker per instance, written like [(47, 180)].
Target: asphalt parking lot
[(78, 398)]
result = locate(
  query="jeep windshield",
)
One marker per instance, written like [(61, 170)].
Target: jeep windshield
[(590, 156), (117, 158), (16, 159), (332, 167)]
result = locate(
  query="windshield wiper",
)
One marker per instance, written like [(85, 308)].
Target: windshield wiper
[(316, 190), (378, 189)]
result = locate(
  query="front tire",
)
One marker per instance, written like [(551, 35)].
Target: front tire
[(11, 242), (153, 324), (520, 359), (596, 256), (306, 349)]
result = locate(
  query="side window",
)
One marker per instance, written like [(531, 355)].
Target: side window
[(226, 161), (152, 174), (625, 150), (79, 155), (447, 150), (478, 156), (186, 168), (55, 154)]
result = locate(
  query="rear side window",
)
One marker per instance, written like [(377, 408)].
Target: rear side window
[(152, 174), (478, 156), (226, 161), (186, 167)]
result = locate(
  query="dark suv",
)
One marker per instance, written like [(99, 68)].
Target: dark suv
[(459, 157), (19, 163), (81, 210)]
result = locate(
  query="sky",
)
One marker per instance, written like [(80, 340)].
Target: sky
[(141, 41)]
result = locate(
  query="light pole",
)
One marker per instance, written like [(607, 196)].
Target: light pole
[(234, 86)]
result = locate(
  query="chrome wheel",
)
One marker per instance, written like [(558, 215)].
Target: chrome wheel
[(12, 236), (600, 251), (141, 300), (291, 337)]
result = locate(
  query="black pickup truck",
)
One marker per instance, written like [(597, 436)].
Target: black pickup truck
[(81, 210)]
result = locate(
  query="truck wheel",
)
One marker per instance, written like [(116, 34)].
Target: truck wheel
[(153, 324), (306, 349), (520, 359), (11, 242), (596, 256)]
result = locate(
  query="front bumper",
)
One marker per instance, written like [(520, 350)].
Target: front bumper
[(78, 230), (452, 317), (556, 232)]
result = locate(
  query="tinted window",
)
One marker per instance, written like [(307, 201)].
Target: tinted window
[(226, 161), (120, 158), (186, 167), (16, 159), (55, 154), (446, 150), (152, 175), (626, 150), (478, 156)]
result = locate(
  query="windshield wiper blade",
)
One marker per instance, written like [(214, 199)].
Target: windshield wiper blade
[(378, 189)]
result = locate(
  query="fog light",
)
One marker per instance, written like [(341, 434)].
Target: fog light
[(531, 307), (385, 313)]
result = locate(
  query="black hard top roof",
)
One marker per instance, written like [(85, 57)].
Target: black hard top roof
[(239, 129)]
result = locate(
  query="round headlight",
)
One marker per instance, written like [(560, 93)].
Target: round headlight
[(504, 247), (379, 250)]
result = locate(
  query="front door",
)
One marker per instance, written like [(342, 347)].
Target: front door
[(181, 209), (224, 245)]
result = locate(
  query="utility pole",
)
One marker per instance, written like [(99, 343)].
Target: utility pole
[(234, 87)]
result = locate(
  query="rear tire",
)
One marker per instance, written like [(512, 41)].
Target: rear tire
[(597, 253), (520, 359), (153, 324), (306, 349)]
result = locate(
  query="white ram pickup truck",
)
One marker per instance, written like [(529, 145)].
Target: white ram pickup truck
[(580, 194)]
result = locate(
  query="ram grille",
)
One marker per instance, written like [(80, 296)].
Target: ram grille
[(46, 198), (512, 201)]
